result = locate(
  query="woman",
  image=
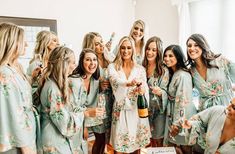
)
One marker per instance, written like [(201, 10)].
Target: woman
[(94, 41), (212, 74), (129, 133), (219, 124), (137, 33), (18, 120), (46, 41), (88, 75), (61, 111), (158, 78), (180, 93)]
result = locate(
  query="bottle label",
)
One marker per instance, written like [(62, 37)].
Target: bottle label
[(143, 112)]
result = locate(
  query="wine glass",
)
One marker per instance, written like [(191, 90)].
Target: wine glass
[(101, 103), (155, 85), (105, 77), (182, 118)]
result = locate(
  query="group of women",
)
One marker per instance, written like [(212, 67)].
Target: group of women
[(57, 104)]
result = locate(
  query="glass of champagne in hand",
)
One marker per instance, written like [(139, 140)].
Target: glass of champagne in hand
[(182, 120), (155, 85)]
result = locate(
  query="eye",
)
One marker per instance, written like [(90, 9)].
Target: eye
[(129, 48), (141, 29), (136, 28), (123, 48)]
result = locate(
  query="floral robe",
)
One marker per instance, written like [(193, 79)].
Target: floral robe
[(217, 88), (158, 106), (180, 103), (109, 99), (61, 123), (212, 120), (18, 119), (90, 100), (32, 66), (128, 131)]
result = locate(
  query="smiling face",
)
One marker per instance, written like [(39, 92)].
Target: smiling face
[(170, 59), (193, 49), (54, 42), (126, 50), (90, 63), (99, 47), (151, 52), (71, 64), (137, 32)]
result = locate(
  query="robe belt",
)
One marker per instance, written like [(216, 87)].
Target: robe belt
[(209, 102)]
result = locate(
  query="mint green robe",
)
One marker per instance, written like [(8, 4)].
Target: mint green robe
[(18, 121), (62, 124)]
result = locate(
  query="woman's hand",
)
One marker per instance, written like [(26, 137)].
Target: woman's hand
[(139, 90), (174, 130), (156, 90), (85, 133), (104, 84), (94, 112), (133, 83), (36, 73)]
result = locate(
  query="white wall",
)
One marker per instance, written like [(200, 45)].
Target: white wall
[(161, 18), (75, 18)]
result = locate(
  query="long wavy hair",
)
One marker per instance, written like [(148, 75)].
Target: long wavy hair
[(207, 54), (141, 22), (11, 44), (118, 62), (57, 70), (159, 59), (41, 51), (80, 70), (179, 55), (89, 42)]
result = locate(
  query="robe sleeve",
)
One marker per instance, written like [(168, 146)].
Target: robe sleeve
[(67, 121)]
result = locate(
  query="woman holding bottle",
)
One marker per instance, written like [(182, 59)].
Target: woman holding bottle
[(129, 133), (158, 78)]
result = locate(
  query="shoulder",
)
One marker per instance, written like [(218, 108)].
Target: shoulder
[(139, 67), (50, 86), (111, 65), (217, 108), (182, 74), (6, 74)]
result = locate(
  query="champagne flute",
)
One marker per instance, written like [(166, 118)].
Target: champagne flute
[(155, 85), (182, 118), (105, 77), (101, 103)]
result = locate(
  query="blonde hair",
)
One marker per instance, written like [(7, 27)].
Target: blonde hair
[(118, 62), (41, 51), (142, 40), (57, 70), (89, 42), (11, 44)]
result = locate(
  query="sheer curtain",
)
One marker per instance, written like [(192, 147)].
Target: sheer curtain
[(212, 18)]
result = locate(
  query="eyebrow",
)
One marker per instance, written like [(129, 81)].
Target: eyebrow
[(233, 105)]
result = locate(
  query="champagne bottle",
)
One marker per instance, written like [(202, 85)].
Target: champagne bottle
[(142, 106)]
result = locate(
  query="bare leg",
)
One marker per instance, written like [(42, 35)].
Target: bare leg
[(99, 144)]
